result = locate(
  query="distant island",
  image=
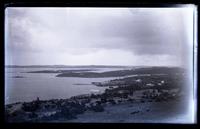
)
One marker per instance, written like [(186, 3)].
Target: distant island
[(61, 71), (121, 73), (18, 76), (155, 91), (66, 66)]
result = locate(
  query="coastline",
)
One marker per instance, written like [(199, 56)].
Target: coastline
[(133, 98), (93, 108)]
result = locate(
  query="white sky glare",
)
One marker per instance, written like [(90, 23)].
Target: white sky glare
[(98, 36)]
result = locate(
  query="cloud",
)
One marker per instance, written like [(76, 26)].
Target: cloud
[(81, 33)]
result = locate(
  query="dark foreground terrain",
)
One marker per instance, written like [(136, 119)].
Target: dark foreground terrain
[(154, 94)]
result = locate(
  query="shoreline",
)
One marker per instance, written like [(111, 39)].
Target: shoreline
[(139, 91), (71, 109), (141, 111)]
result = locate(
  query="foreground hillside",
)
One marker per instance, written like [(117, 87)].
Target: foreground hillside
[(154, 95)]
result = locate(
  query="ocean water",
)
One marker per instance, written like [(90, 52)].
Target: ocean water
[(47, 85)]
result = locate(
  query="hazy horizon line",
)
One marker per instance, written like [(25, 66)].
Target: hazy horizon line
[(94, 65)]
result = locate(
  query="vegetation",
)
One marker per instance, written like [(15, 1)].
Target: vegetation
[(162, 84), (120, 73)]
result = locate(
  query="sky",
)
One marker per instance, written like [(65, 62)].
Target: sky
[(98, 36)]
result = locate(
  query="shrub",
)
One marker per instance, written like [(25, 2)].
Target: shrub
[(97, 108)]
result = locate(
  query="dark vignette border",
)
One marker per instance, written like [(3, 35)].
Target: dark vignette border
[(76, 3)]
